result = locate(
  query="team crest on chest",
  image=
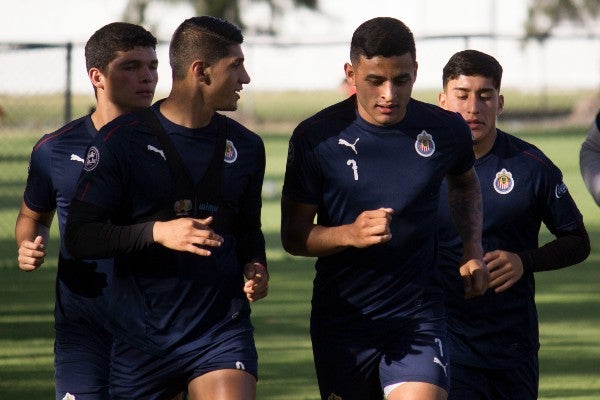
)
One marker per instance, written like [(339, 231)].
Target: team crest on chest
[(504, 182), (230, 152), (424, 145), (92, 159), (182, 207)]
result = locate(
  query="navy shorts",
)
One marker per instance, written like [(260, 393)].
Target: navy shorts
[(473, 383), (139, 375), (81, 346), (360, 366)]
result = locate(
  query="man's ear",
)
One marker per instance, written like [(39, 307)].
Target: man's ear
[(96, 77), (442, 100), (201, 71), (349, 71)]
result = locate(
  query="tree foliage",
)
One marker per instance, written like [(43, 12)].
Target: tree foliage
[(226, 9), (544, 16)]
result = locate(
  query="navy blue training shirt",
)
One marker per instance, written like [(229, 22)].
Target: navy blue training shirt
[(521, 189), (168, 302), (346, 166), (56, 162)]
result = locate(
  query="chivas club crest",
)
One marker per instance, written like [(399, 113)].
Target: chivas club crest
[(504, 182), (424, 145), (182, 207), (230, 152)]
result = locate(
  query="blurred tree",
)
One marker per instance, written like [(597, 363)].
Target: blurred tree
[(543, 16), (135, 10)]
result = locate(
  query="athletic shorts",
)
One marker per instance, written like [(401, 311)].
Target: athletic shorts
[(139, 375), (81, 346), (473, 383), (359, 367)]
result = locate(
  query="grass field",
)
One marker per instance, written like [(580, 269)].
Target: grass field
[(568, 300)]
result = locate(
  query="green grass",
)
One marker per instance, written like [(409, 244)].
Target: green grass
[(568, 300)]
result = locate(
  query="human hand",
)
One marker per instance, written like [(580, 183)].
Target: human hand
[(187, 234), (371, 227), (475, 277), (31, 254), (505, 268), (257, 284)]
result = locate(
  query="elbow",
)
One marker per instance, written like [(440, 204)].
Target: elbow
[(586, 247), (287, 244), (290, 245)]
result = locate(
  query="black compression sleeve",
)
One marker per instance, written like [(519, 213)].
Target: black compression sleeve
[(567, 249), (89, 234)]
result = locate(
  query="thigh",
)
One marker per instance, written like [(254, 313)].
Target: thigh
[(418, 391), (469, 383), (230, 352), (224, 384), (139, 375), (417, 357), (520, 382), (81, 356), (136, 374), (346, 368), (473, 383), (227, 371)]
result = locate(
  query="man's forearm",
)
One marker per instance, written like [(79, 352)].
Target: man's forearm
[(464, 199)]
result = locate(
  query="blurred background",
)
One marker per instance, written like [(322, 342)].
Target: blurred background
[(544, 45)]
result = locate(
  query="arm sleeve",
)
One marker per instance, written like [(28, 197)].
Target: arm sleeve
[(89, 233), (589, 160), (567, 249)]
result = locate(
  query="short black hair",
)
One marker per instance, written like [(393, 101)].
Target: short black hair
[(382, 36), (102, 46), (204, 37), (472, 63)]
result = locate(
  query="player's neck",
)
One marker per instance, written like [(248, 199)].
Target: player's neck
[(104, 114), (484, 146), (186, 109)]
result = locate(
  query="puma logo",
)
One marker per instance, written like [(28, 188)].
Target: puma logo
[(438, 362), (75, 157), (159, 151), (343, 142)]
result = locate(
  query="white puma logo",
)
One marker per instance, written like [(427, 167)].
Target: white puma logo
[(439, 343), (438, 362), (159, 151), (240, 365), (75, 157), (343, 142)]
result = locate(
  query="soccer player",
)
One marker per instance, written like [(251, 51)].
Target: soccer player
[(494, 338), (122, 67), (589, 160), (174, 194), (370, 169)]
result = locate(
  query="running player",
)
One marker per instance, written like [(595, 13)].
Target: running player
[(370, 169), (122, 67), (174, 194), (589, 160), (494, 338)]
